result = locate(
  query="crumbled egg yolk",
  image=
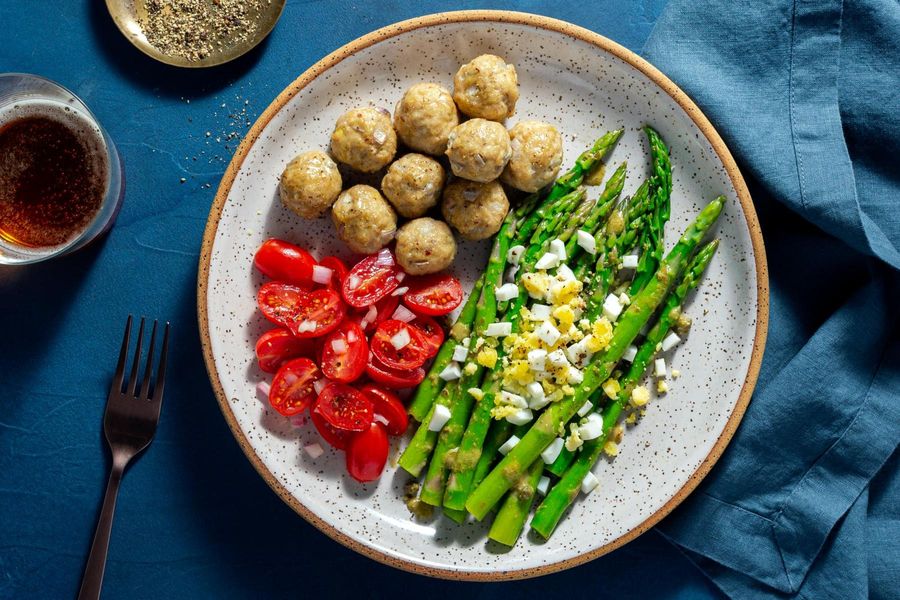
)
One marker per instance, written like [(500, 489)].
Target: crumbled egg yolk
[(567, 390), (502, 411), (563, 292), (476, 393), (611, 388), (662, 387), (602, 332), (610, 448), (640, 395), (676, 373), (565, 317), (518, 372), (487, 357), (470, 368), (573, 440), (536, 284)]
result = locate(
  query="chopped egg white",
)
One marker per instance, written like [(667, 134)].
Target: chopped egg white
[(558, 247), (508, 445), (547, 333), (521, 417), (587, 242), (589, 482), (507, 291), (501, 329), (537, 359), (592, 428), (451, 372), (557, 358), (630, 261), (547, 261), (670, 341), (543, 485), (564, 273), (551, 452), (630, 353), (540, 312), (659, 367), (513, 399), (585, 408), (514, 254), (439, 417), (460, 353), (612, 308)]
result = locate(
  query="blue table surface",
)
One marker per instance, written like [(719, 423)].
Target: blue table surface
[(194, 519)]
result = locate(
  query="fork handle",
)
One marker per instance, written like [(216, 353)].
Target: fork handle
[(96, 563)]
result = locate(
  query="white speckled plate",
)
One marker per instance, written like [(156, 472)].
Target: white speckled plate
[(585, 84)]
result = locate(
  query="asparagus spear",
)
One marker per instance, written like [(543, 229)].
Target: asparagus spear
[(661, 185), (510, 519), (607, 201), (545, 429), (461, 401), (551, 509), (584, 163), (415, 457)]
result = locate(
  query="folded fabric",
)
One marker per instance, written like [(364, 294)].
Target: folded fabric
[(805, 93)]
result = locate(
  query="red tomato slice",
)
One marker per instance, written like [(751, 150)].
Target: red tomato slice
[(393, 378), (277, 346), (338, 268), (345, 407), (432, 334), (319, 313), (371, 279), (292, 387), (329, 433), (345, 353), (279, 301), (410, 356), (285, 262), (367, 453), (434, 295), (387, 407)]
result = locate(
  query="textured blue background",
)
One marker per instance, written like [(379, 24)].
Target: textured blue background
[(194, 519)]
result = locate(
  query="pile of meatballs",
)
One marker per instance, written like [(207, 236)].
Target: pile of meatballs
[(481, 153)]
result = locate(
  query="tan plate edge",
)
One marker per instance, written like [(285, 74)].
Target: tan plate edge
[(762, 312)]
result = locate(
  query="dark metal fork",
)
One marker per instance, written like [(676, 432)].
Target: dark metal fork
[(129, 424)]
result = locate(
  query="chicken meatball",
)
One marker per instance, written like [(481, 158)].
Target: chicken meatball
[(364, 139), (363, 219), (309, 184), (536, 156), (475, 210), (478, 150), (413, 184), (486, 87), (425, 246), (424, 117)]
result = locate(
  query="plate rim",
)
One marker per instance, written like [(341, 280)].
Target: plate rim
[(553, 25)]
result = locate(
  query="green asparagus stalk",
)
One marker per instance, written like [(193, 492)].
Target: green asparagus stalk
[(510, 519), (588, 159), (651, 242), (551, 509), (415, 457), (546, 428), (461, 402), (606, 203)]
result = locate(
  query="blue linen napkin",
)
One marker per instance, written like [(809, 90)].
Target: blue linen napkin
[(806, 500)]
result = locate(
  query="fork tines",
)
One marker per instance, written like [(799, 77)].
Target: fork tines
[(150, 388)]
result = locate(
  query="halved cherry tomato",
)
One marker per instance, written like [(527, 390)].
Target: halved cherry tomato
[(345, 353), (345, 407), (338, 268), (279, 301), (432, 334), (410, 356), (367, 453), (393, 378), (371, 279), (285, 262), (277, 346), (388, 407), (329, 433), (317, 314), (292, 387), (434, 295)]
